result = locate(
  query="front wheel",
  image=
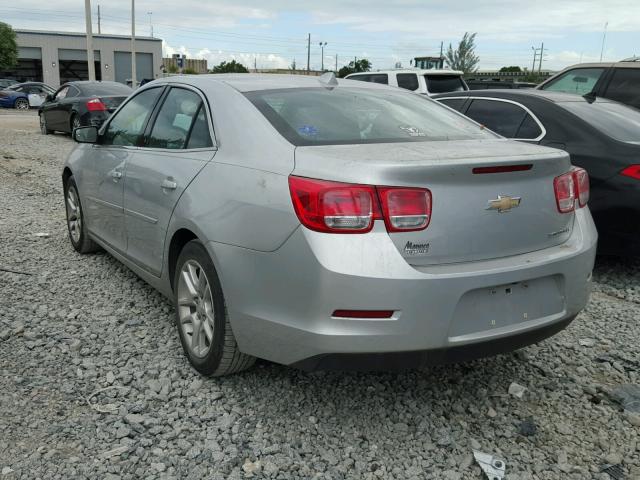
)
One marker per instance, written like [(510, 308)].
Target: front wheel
[(43, 125), (201, 315), (75, 219)]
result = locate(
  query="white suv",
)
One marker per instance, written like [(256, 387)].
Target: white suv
[(428, 82)]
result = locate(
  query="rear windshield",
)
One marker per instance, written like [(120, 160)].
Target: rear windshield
[(320, 116), (105, 89), (613, 119), (444, 83)]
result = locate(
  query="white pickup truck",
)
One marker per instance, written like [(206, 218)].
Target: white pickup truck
[(428, 82)]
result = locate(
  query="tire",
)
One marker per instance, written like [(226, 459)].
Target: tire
[(74, 123), (200, 307), (76, 226), (43, 125), (21, 104)]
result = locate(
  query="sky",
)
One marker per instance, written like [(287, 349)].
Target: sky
[(273, 33)]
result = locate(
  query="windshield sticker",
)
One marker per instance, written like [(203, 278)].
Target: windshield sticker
[(412, 131), (308, 130)]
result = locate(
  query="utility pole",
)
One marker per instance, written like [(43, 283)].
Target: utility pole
[(308, 53), (90, 60), (99, 32), (604, 37), (150, 23), (535, 57), (336, 63), (255, 64), (322, 45), (541, 54), (133, 44), (441, 57)]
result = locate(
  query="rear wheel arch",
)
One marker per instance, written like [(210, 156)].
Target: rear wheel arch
[(66, 174), (179, 239)]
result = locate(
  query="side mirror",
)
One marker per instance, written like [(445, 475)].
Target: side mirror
[(86, 134)]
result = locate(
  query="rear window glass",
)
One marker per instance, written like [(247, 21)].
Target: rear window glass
[(408, 81), (106, 89), (444, 83), (319, 116), (613, 119), (455, 103), (382, 78), (579, 81)]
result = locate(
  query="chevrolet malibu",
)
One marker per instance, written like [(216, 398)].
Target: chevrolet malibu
[(331, 224)]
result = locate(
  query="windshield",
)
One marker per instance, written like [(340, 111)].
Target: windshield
[(320, 116), (613, 119), (444, 83)]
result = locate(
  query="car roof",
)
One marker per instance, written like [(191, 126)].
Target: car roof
[(248, 82), (92, 82), (419, 71), (554, 97)]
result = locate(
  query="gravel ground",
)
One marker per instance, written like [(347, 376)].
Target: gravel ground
[(93, 383)]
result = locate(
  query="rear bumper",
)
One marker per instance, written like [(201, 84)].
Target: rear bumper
[(280, 303)]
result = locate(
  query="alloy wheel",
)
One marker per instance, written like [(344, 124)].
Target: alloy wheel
[(74, 215), (195, 308), (75, 124), (22, 104)]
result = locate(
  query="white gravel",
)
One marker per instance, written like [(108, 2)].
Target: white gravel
[(81, 324)]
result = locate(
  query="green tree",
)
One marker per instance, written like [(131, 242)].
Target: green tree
[(230, 67), (464, 57), (8, 47), (512, 69), (362, 65), (189, 71), (172, 68)]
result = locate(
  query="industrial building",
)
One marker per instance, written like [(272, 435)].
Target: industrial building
[(58, 57)]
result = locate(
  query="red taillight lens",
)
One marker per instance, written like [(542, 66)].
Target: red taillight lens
[(96, 105), (405, 209), (565, 190), (581, 181), (632, 171), (335, 207)]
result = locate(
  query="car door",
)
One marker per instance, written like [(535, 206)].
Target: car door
[(65, 107), (36, 94), (51, 110), (178, 144), (102, 183)]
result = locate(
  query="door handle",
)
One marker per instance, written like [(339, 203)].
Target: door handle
[(169, 184), (116, 175)]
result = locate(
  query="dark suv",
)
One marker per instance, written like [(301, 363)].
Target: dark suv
[(618, 81)]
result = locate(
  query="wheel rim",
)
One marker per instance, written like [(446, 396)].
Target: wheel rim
[(195, 309), (22, 104), (74, 214), (75, 124)]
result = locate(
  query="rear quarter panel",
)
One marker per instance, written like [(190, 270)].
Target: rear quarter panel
[(241, 197)]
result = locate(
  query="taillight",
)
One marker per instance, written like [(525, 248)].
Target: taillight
[(581, 181), (405, 209), (96, 105), (565, 190), (632, 171), (336, 207)]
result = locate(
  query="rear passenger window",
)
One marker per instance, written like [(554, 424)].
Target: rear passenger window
[(175, 118), (455, 103), (407, 80), (501, 117), (625, 86), (529, 129), (379, 78), (200, 136)]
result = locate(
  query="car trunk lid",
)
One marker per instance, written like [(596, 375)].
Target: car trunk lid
[(476, 215)]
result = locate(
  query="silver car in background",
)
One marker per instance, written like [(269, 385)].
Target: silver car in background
[(331, 224)]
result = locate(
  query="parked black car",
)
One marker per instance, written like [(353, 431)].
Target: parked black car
[(618, 81), (483, 84), (601, 136), (77, 104)]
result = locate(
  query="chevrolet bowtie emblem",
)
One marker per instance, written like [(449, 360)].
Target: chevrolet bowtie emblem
[(503, 203)]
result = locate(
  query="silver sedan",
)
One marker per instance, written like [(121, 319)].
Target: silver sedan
[(331, 224)]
